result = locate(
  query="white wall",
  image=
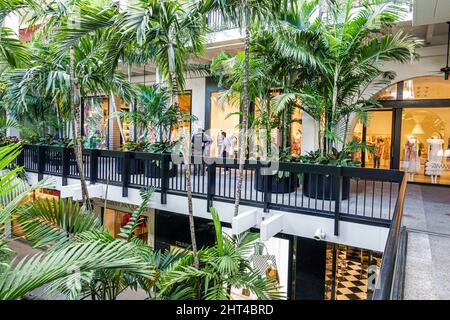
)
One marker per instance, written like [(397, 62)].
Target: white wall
[(198, 87)]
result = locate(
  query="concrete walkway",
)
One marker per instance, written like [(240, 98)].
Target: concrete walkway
[(427, 217)]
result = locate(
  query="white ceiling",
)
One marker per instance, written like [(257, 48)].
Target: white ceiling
[(431, 12)]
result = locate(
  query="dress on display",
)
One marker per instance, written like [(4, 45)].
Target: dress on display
[(412, 158), (435, 152)]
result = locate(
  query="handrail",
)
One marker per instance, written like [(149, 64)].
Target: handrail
[(318, 190), (385, 280)]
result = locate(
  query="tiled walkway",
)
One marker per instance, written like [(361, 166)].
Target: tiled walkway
[(427, 216)]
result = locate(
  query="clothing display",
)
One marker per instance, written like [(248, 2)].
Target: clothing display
[(382, 151), (434, 167), (412, 158)]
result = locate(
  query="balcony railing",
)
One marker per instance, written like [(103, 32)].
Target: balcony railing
[(367, 196), (389, 285)]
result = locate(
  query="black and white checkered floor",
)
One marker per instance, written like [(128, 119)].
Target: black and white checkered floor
[(351, 273)]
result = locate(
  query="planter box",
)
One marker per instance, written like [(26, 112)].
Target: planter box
[(136, 167), (319, 186), (278, 185), (153, 170)]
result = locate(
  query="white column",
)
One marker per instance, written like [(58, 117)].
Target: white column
[(310, 139)]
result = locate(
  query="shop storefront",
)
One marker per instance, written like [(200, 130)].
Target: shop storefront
[(96, 122), (185, 103), (412, 131), (116, 215), (223, 115)]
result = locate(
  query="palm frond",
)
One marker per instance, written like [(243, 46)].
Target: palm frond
[(33, 272)]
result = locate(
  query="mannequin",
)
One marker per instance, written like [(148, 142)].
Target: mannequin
[(412, 157), (434, 166)]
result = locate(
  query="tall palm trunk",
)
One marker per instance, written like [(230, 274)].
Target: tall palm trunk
[(186, 153), (243, 131), (78, 148)]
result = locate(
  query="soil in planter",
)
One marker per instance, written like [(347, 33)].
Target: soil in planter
[(319, 186), (278, 185)]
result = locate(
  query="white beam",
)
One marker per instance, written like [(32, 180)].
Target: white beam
[(272, 226), (244, 221), (74, 191)]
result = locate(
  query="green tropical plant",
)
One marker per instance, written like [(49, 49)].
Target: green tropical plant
[(352, 46), (222, 267), (176, 31), (245, 14), (56, 225), (152, 113)]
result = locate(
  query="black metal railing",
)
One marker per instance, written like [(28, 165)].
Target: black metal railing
[(368, 196), (389, 283)]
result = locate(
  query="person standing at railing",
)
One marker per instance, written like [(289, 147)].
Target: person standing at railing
[(200, 145), (226, 148)]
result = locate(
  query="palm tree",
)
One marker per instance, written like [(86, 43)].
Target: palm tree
[(176, 29), (51, 74), (152, 111), (222, 267), (59, 225), (351, 47), (245, 13), (63, 267), (61, 17)]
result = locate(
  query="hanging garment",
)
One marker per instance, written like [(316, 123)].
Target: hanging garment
[(412, 158), (434, 166)]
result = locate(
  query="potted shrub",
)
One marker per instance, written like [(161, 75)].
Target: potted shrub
[(282, 181), (136, 167), (335, 89), (152, 167), (321, 186)]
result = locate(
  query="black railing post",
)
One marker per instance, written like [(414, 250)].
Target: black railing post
[(337, 190), (165, 167), (41, 161), (267, 180), (65, 163), (93, 165), (125, 172), (211, 190), (21, 158)]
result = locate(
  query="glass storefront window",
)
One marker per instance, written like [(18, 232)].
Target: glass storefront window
[(378, 135), (425, 145), (296, 132), (115, 219), (423, 88), (186, 110), (350, 272), (96, 122), (223, 117)]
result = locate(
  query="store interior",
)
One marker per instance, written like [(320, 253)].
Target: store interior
[(425, 131), (425, 145), (350, 272)]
